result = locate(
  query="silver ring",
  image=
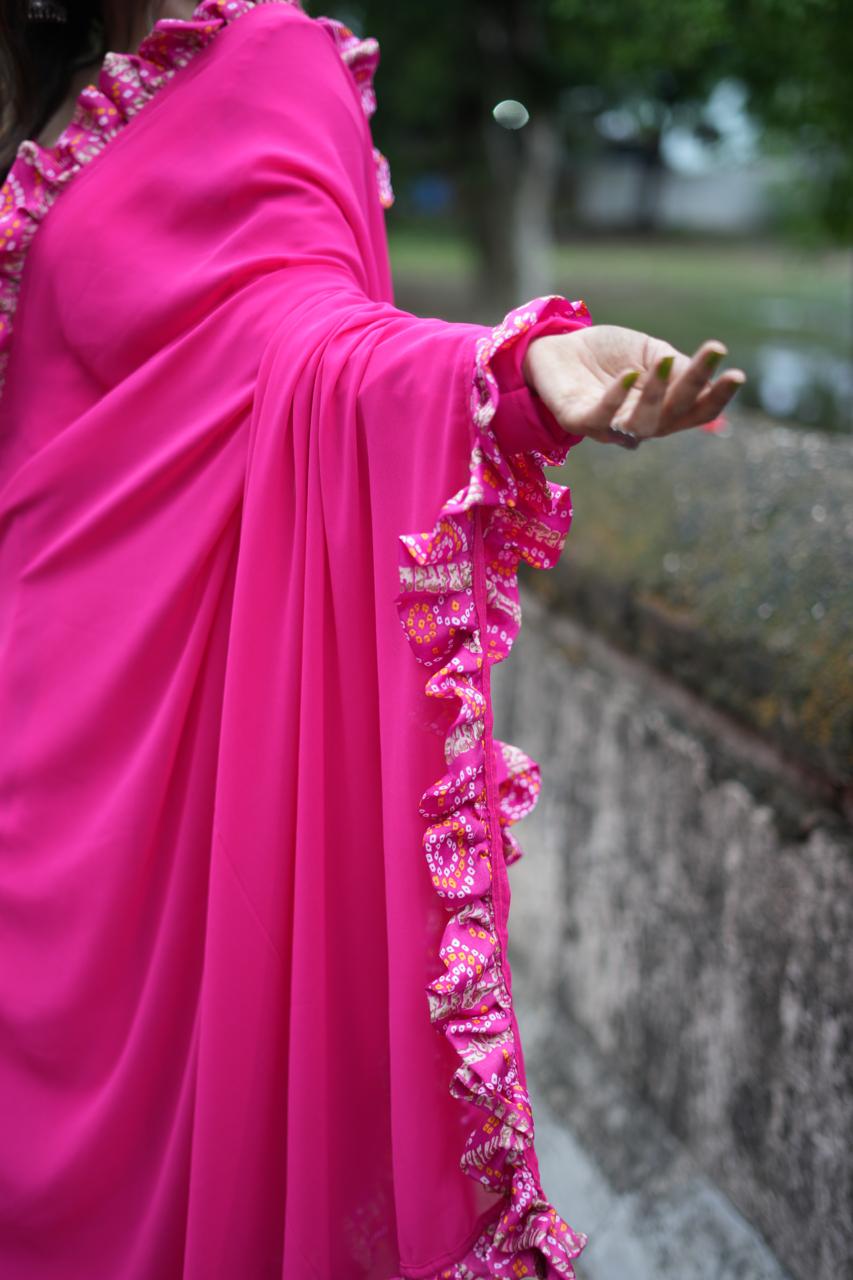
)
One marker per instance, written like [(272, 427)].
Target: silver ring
[(626, 435)]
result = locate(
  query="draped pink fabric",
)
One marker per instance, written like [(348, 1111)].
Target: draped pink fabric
[(259, 533)]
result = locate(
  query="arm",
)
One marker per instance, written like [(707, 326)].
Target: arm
[(311, 202), (419, 456)]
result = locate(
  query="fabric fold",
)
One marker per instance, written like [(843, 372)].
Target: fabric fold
[(126, 83), (459, 608), (212, 459)]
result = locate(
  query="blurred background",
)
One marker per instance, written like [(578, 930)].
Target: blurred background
[(685, 165), (682, 921)]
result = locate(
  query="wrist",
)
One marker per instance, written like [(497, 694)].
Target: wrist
[(527, 366), (523, 420), (528, 359)]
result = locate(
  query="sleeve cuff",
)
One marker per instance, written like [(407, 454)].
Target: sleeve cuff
[(522, 422)]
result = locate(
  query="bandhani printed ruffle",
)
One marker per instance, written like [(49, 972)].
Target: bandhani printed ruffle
[(459, 607), (362, 58), (519, 784), (125, 83)]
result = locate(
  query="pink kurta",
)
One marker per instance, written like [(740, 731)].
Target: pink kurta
[(259, 534)]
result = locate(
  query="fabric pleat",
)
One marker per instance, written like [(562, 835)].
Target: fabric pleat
[(259, 535)]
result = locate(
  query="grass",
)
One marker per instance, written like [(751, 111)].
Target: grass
[(747, 288), (760, 299)]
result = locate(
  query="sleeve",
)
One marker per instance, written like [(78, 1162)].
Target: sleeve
[(415, 448), (521, 421)]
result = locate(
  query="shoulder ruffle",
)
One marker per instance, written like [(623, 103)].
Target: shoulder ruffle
[(125, 83), (362, 58), (459, 608)]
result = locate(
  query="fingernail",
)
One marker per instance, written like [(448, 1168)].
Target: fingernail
[(712, 359), (630, 378), (664, 368)]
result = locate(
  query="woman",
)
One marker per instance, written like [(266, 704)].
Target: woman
[(240, 494)]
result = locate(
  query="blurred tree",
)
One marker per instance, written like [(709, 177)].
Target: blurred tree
[(795, 59), (572, 64)]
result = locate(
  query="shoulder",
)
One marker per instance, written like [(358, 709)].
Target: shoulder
[(276, 29), (278, 44), (253, 16), (280, 73)]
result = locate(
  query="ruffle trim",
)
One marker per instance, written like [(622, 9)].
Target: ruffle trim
[(362, 58), (125, 83), (459, 608)]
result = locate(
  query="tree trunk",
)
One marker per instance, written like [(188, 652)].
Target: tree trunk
[(498, 282), (511, 201), (512, 212), (651, 184), (535, 201)]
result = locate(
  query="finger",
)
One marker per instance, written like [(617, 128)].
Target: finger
[(626, 439), (613, 436), (644, 420), (710, 404), (596, 421), (607, 407), (688, 385)]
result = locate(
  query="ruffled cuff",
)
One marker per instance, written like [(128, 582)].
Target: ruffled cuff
[(521, 420), (459, 608)]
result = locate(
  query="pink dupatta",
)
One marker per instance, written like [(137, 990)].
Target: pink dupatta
[(259, 537)]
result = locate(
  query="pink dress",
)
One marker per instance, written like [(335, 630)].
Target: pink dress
[(259, 537)]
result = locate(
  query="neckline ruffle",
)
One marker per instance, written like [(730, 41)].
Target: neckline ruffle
[(125, 83)]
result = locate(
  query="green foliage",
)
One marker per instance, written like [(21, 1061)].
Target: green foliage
[(795, 61), (445, 64)]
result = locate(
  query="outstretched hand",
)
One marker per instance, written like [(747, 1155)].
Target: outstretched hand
[(620, 386)]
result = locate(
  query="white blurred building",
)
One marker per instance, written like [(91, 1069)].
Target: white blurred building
[(731, 198)]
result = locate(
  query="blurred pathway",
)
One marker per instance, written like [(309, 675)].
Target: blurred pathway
[(613, 1170)]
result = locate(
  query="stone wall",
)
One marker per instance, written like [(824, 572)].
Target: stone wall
[(686, 894)]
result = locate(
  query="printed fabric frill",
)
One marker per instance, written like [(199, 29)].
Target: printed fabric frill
[(125, 83), (459, 608)]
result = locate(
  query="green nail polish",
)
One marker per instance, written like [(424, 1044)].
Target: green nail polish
[(664, 367), (630, 378), (712, 359)]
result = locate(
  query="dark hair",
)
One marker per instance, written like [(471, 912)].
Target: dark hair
[(39, 58)]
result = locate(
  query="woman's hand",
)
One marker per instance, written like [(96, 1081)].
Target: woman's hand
[(604, 381)]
